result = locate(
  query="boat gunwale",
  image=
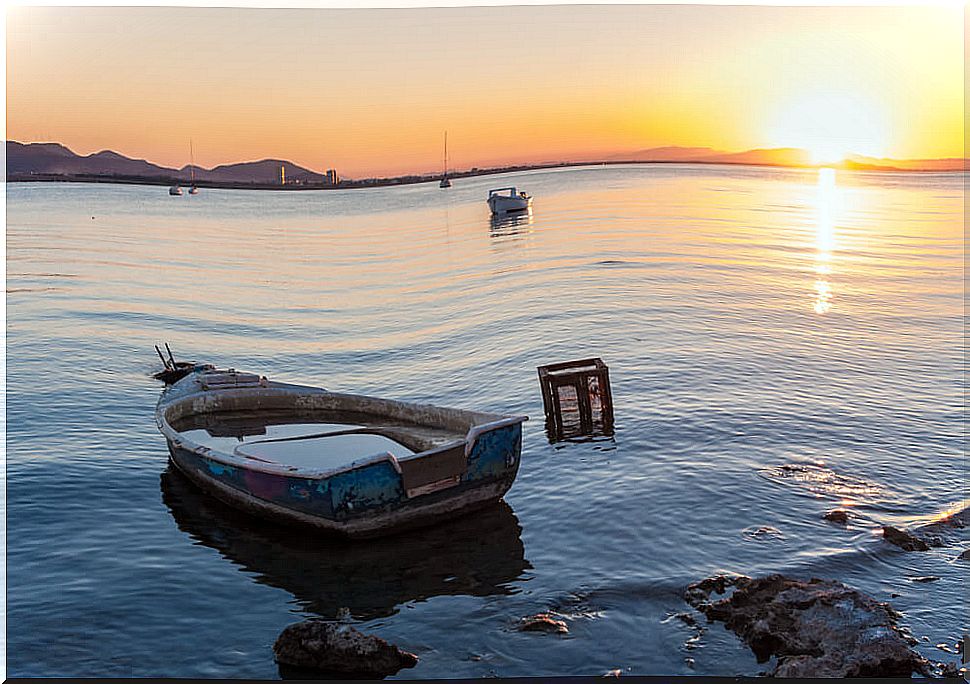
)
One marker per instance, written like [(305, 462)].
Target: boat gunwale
[(178, 440)]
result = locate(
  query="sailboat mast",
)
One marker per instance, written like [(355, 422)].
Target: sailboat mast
[(192, 161), (446, 153)]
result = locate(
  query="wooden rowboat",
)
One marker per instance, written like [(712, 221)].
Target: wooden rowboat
[(350, 464)]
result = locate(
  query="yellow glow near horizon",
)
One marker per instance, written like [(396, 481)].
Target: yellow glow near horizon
[(832, 125)]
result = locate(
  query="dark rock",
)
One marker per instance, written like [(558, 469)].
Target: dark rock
[(837, 516), (925, 578), (950, 670), (687, 619), (613, 673), (699, 592), (965, 555), (543, 622), (762, 533), (818, 628), (903, 540), (946, 529), (328, 647)]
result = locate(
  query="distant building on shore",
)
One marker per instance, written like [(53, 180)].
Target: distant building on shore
[(332, 177)]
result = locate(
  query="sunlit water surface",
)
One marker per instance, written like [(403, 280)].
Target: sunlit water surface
[(780, 343)]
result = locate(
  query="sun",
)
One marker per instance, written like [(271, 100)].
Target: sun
[(827, 154), (830, 126)]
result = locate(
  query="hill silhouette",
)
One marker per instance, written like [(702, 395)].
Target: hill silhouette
[(25, 159)]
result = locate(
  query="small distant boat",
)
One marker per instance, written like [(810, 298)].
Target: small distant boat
[(445, 181), (175, 190), (193, 190), (505, 200), (354, 465)]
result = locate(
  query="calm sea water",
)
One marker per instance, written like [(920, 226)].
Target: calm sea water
[(780, 343)]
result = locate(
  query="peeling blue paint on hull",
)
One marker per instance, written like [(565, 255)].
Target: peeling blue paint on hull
[(294, 500)]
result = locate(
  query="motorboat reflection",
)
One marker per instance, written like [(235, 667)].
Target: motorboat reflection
[(480, 554), (511, 224)]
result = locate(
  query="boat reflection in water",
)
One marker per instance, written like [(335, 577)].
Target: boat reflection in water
[(511, 224), (480, 554)]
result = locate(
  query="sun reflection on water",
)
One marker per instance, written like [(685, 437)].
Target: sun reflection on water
[(824, 239)]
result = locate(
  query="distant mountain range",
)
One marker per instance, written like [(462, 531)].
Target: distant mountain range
[(55, 159), (30, 160)]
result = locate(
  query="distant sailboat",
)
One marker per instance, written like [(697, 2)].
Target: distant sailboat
[(192, 190), (445, 183), (175, 190)]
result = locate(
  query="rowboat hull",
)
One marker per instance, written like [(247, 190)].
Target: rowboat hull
[(368, 497)]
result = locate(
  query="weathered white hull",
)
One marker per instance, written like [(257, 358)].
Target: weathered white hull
[(501, 204)]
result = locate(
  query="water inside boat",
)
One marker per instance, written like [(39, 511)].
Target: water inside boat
[(318, 441)]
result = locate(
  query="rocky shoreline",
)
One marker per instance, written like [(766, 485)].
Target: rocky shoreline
[(805, 628)]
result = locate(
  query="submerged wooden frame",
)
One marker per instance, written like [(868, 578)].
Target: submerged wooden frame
[(576, 375)]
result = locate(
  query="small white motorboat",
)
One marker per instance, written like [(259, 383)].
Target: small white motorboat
[(193, 190), (175, 190), (505, 200)]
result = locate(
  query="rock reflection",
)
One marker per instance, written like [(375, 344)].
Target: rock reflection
[(478, 555)]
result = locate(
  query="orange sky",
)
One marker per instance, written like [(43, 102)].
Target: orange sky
[(371, 91)]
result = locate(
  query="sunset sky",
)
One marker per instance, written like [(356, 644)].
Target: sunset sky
[(371, 91)]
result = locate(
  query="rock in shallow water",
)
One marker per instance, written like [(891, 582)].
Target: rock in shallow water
[(903, 539), (818, 628), (328, 647), (837, 516), (543, 622)]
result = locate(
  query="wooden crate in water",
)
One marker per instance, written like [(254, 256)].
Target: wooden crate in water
[(577, 399)]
